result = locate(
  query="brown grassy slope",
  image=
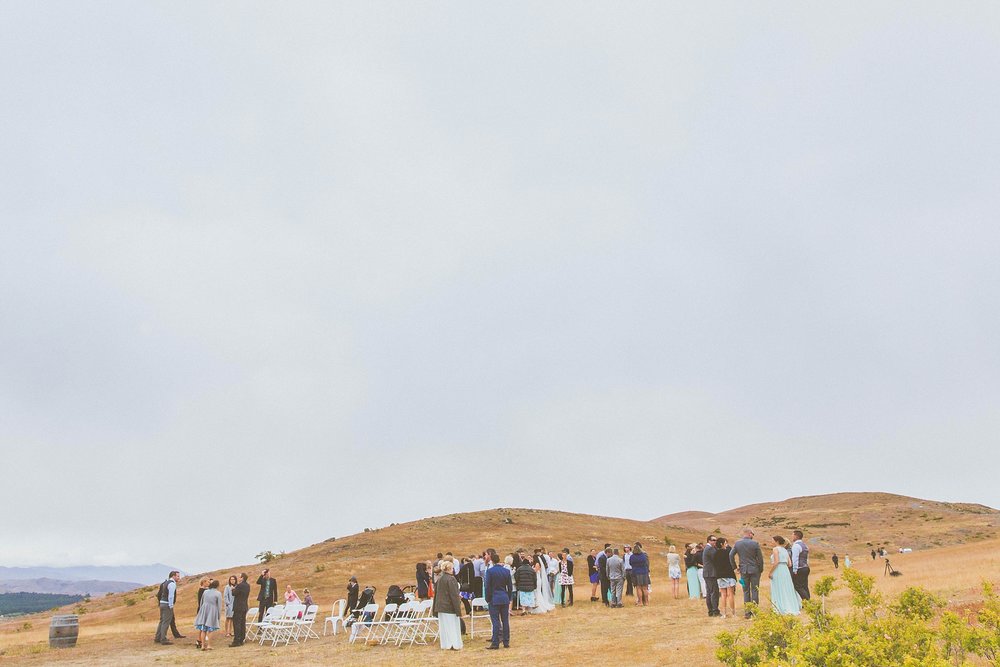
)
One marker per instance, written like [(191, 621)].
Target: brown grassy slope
[(670, 632), (389, 555), (855, 521)]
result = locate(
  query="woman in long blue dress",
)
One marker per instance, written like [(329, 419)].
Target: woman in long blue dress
[(784, 599), (691, 566)]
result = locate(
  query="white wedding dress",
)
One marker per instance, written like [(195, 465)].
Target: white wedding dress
[(544, 601)]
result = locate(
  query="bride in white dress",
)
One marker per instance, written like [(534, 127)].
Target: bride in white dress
[(543, 592)]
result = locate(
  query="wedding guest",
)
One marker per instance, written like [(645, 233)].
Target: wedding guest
[(497, 581), (467, 588), (566, 577), (423, 582), (726, 577), (691, 567), (209, 613), (640, 575), (708, 575), (308, 599), (291, 597), (552, 564), (166, 596), (602, 568), (241, 605), (800, 565), (751, 567), (448, 608), (627, 558), (784, 599), (555, 560), (352, 593), (616, 576), (267, 597), (699, 551), (360, 617), (227, 597), (593, 574), (674, 570), (202, 587), (511, 562), (525, 578)]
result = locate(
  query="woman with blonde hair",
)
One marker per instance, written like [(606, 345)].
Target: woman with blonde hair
[(674, 569), (448, 608)]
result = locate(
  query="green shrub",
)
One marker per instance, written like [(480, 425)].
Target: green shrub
[(902, 633)]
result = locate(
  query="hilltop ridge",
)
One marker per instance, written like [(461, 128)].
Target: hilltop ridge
[(856, 520)]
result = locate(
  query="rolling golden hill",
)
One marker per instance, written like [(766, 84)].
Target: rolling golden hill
[(117, 629), (854, 522)]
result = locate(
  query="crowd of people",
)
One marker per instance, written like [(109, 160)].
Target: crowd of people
[(714, 568), (230, 604), (529, 584)]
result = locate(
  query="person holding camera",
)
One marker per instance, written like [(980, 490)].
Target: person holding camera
[(268, 595)]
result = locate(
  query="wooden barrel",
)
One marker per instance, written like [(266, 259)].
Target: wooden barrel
[(63, 631)]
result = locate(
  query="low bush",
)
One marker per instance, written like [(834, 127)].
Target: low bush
[(908, 632)]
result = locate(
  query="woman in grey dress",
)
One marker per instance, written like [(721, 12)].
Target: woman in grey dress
[(227, 597), (209, 613)]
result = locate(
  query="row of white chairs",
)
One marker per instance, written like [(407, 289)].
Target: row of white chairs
[(283, 623), (408, 623)]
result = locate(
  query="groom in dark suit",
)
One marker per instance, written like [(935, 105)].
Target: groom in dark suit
[(241, 604), (711, 579), (498, 593)]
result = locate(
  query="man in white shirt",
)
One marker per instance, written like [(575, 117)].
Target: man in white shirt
[(627, 550), (167, 595), (477, 565), (800, 565)]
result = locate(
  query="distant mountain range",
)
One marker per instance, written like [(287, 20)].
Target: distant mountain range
[(81, 579), (63, 587), (143, 575)]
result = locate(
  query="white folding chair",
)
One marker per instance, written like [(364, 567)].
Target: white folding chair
[(422, 625), (362, 625), (410, 597), (271, 614), (478, 603), (303, 627), (338, 615), (280, 628), (381, 628), (251, 624), (404, 613)]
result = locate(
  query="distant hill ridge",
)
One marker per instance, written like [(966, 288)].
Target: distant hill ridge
[(141, 574), (855, 521), (63, 587), (842, 522)]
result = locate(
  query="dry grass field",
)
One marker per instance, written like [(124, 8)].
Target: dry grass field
[(114, 631)]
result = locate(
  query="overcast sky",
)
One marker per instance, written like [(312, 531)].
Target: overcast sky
[(276, 272)]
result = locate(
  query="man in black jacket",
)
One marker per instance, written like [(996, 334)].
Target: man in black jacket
[(241, 604), (711, 578), (268, 595)]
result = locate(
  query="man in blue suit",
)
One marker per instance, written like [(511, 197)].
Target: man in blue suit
[(498, 593)]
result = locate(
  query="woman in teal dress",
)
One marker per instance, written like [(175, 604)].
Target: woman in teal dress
[(691, 566), (784, 599)]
